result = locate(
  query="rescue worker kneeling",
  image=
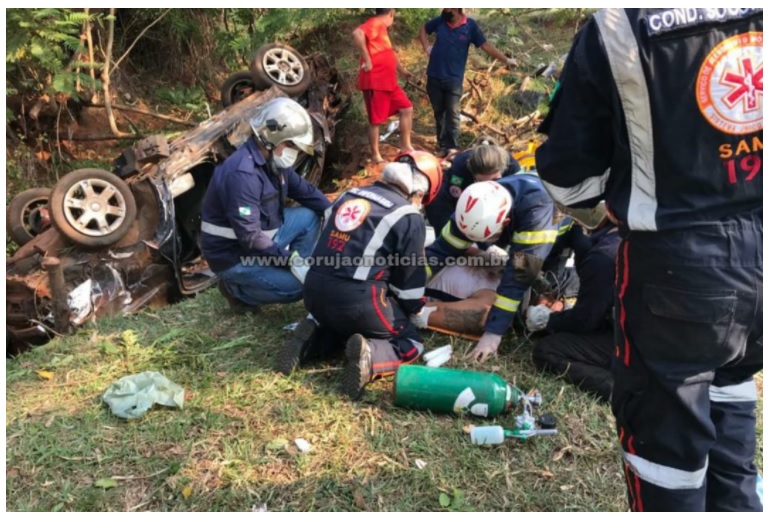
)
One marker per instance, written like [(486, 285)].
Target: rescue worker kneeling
[(516, 213), (366, 282), (581, 345), (243, 215)]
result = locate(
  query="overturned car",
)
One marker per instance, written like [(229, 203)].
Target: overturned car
[(109, 242)]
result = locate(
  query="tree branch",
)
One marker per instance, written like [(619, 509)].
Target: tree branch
[(115, 66), (150, 113)]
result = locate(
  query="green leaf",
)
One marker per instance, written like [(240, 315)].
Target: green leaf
[(60, 361), (458, 499), (277, 444), (444, 500), (108, 348), (106, 483)]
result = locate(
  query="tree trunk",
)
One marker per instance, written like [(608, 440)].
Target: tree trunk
[(106, 73), (90, 43)]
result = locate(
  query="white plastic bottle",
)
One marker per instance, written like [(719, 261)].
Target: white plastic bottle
[(487, 435)]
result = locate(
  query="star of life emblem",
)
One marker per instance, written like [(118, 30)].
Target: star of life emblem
[(729, 85)]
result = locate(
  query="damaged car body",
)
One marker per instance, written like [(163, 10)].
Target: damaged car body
[(128, 239)]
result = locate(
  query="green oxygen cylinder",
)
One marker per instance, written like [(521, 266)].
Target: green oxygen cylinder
[(453, 391)]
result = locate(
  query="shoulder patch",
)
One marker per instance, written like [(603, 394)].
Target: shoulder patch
[(245, 211), (378, 199), (455, 191), (457, 180), (729, 85), (351, 214)]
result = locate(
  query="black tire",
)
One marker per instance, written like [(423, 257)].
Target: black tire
[(110, 197), (237, 87), (282, 66), (25, 220)]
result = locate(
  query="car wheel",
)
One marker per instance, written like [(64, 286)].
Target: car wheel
[(28, 215), (281, 66), (236, 88), (92, 207)]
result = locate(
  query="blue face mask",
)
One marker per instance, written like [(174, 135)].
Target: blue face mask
[(287, 158)]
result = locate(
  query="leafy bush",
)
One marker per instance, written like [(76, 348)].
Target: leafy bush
[(41, 47)]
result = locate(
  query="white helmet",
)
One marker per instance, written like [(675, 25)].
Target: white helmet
[(282, 119), (482, 210)]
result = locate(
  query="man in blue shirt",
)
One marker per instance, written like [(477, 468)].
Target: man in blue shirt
[(454, 32)]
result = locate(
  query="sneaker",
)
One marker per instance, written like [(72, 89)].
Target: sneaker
[(296, 348), (358, 371), (238, 306)]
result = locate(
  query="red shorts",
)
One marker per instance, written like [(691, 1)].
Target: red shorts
[(383, 104)]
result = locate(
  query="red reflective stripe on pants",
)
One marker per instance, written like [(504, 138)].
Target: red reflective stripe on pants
[(621, 295), (380, 314)]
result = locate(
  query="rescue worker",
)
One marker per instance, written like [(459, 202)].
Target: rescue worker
[(482, 163), (582, 342), (659, 111), (514, 212), (366, 282), (247, 233)]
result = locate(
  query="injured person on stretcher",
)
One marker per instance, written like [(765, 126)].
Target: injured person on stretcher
[(569, 313)]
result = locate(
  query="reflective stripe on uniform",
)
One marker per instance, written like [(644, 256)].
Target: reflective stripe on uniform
[(224, 232), (457, 243), (625, 62), (590, 188), (414, 293), (665, 476), (746, 391), (563, 229), (547, 236), (506, 304), (379, 234)]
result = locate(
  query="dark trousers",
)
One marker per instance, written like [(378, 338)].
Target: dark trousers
[(688, 342), (583, 359), (445, 96), (345, 307)]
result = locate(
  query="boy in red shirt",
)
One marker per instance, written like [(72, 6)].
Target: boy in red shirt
[(378, 80)]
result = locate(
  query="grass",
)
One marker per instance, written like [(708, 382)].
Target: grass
[(223, 450), (230, 447)]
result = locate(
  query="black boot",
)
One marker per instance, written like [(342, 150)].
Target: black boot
[(297, 347), (359, 367)]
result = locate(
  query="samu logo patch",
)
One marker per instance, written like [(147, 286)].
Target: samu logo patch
[(729, 85)]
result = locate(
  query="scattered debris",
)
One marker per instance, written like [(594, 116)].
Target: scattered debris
[(303, 445), (262, 507), (133, 395), (420, 464), (391, 128), (439, 356)]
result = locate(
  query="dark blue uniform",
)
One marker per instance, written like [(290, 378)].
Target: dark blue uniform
[(455, 180), (660, 112), (582, 345), (243, 208), (529, 236), (353, 287), (595, 263)]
